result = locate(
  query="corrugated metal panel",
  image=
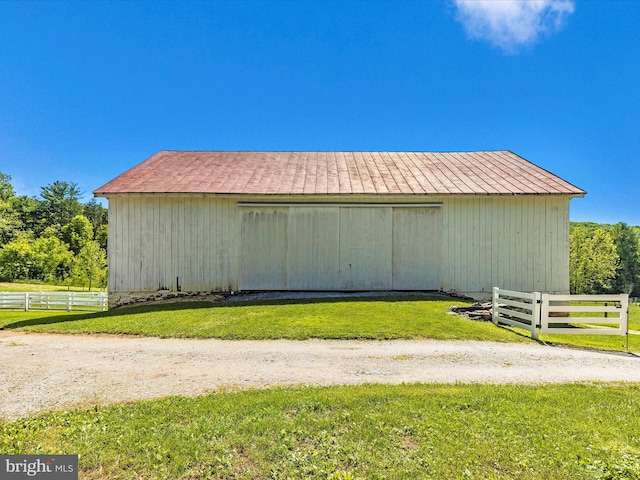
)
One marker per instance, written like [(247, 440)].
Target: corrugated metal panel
[(342, 173)]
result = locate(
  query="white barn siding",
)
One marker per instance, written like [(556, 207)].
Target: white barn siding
[(209, 243), (160, 242), (517, 243)]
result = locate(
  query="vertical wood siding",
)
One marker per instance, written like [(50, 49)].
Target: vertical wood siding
[(164, 242), (469, 245), (517, 243)]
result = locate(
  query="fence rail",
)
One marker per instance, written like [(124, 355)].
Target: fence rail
[(517, 309), (54, 300), (561, 304), (547, 313)]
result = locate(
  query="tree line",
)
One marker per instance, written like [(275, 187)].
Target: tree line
[(604, 258), (52, 238)]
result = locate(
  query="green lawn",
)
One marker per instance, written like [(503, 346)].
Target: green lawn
[(370, 318), (354, 432), (379, 318), (41, 287), (634, 317)]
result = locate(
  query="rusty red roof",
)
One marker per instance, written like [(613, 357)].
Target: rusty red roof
[(321, 173)]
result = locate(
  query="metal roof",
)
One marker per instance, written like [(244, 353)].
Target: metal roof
[(342, 173)]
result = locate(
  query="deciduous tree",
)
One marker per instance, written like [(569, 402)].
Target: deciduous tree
[(96, 214), (77, 233), (593, 260), (90, 265), (9, 222), (16, 258), (628, 272)]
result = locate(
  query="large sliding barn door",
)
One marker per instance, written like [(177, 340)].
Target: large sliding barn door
[(336, 247)]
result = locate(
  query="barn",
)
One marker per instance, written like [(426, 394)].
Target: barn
[(201, 221)]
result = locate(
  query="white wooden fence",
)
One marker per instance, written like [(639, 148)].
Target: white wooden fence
[(614, 307), (54, 300), (517, 309), (555, 313)]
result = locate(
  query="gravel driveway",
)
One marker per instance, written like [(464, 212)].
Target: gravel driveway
[(41, 372)]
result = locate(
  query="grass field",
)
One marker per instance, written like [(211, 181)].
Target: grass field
[(634, 316), (41, 287), (344, 318), (355, 432), (371, 318)]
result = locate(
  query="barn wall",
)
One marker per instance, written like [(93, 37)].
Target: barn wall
[(166, 242), (515, 242)]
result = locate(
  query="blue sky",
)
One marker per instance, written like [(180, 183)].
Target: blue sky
[(90, 89)]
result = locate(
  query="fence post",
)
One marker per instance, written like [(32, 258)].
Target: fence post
[(535, 312), (624, 313), (494, 305), (26, 301), (69, 295)]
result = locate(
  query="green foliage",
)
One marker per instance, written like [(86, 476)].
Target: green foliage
[(90, 265), (41, 238), (26, 210), (6, 189), (77, 233), (9, 222), (8, 219), (102, 235), (52, 259), (96, 214), (60, 203), (593, 260), (45, 258), (627, 246), (15, 259), (588, 241), (582, 431)]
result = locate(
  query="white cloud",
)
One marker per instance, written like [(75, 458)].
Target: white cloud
[(508, 24)]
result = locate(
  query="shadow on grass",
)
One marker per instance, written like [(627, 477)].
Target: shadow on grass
[(167, 307)]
